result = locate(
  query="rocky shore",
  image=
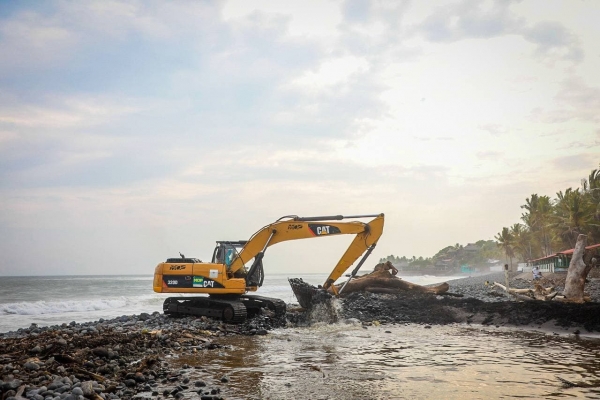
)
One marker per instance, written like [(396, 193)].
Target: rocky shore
[(129, 356), (125, 357), (481, 303)]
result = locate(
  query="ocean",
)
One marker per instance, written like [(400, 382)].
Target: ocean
[(54, 300)]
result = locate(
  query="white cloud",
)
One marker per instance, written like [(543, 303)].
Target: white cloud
[(67, 112), (30, 40), (331, 72), (151, 127)]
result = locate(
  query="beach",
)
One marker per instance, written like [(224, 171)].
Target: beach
[(379, 346)]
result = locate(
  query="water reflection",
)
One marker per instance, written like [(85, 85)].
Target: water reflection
[(393, 362)]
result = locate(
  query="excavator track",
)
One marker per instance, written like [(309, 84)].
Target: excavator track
[(255, 303), (231, 309)]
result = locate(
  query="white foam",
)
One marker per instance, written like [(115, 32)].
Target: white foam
[(71, 306)]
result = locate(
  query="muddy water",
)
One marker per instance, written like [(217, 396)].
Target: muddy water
[(346, 361)]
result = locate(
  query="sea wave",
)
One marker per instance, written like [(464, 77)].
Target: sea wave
[(72, 306)]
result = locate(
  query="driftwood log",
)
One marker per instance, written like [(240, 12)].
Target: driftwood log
[(577, 272), (538, 293), (383, 279)]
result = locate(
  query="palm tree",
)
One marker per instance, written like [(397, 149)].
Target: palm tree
[(505, 240), (537, 219), (573, 215), (591, 189), (521, 241)]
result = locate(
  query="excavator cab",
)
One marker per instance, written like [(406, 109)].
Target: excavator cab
[(226, 251)]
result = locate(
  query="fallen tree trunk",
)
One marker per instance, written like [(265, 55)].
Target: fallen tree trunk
[(577, 272), (518, 293), (383, 280)]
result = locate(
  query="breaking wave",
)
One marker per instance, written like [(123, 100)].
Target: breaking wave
[(71, 306)]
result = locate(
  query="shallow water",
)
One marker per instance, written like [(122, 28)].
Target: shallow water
[(346, 361)]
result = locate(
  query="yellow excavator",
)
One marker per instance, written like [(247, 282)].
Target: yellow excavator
[(227, 280)]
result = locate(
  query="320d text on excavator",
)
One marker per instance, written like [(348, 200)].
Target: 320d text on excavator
[(226, 279)]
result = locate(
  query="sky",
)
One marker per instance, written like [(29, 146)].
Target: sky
[(131, 131)]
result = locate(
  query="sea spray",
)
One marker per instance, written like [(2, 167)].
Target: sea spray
[(327, 311)]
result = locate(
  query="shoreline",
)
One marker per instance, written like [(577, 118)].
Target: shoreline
[(131, 356)]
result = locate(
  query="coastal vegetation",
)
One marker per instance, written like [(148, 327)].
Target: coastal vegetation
[(547, 225), (480, 253)]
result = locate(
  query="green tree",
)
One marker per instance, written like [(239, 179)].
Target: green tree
[(573, 215), (521, 239), (537, 220), (591, 189), (505, 240)]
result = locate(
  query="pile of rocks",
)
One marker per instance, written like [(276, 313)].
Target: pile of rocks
[(475, 286), (481, 303), (110, 359)]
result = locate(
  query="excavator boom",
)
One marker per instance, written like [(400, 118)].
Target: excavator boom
[(294, 228)]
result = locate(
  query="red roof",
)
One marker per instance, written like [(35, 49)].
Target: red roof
[(570, 251), (545, 257), (566, 252)]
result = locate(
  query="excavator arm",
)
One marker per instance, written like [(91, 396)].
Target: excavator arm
[(294, 227)]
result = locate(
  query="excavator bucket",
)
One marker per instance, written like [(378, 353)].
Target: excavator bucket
[(308, 295)]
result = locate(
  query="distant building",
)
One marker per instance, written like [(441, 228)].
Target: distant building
[(471, 248), (559, 262), (445, 265)]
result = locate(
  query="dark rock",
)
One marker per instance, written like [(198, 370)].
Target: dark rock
[(129, 382), (100, 352), (144, 317), (77, 391), (11, 385), (31, 366), (62, 389)]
